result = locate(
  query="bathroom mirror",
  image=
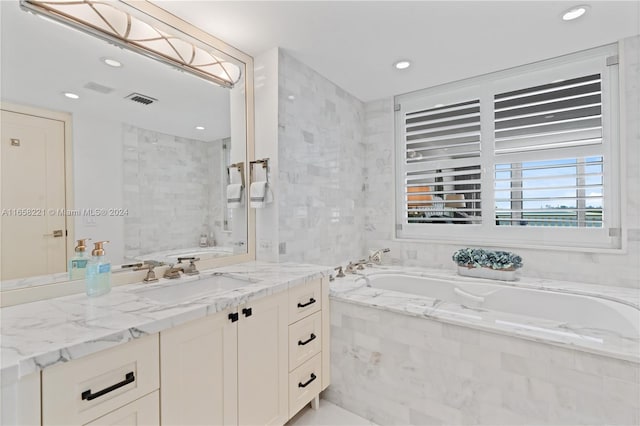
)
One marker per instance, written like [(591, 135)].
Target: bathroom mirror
[(145, 152)]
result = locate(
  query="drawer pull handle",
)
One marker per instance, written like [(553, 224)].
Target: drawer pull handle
[(247, 312), (129, 378), (308, 382), (304, 305), (312, 337)]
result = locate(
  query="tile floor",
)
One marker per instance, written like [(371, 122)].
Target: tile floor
[(327, 415)]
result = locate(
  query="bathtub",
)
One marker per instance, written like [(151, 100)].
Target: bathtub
[(587, 312), (413, 346)]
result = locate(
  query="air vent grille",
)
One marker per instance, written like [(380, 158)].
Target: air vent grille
[(141, 99)]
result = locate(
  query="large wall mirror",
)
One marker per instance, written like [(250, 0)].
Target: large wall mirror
[(102, 142)]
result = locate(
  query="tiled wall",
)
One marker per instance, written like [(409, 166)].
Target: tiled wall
[(621, 269), (321, 153), (172, 189), (398, 369)]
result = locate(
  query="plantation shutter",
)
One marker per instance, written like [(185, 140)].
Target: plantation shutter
[(551, 135), (441, 159)]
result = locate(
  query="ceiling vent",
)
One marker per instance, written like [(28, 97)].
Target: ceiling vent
[(98, 88), (141, 99)]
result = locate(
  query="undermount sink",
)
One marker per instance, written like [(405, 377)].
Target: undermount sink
[(192, 290)]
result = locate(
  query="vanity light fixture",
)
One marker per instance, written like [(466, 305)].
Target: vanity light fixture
[(574, 13), (402, 65), (112, 62), (71, 95), (108, 20)]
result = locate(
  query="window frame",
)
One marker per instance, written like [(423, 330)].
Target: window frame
[(484, 87)]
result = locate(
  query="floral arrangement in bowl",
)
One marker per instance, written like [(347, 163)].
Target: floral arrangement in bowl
[(483, 263)]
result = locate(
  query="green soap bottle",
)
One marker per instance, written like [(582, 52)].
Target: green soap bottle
[(98, 278), (78, 263)]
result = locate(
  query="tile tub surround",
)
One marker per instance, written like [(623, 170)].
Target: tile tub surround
[(621, 269), (351, 289), (394, 368), (40, 334)]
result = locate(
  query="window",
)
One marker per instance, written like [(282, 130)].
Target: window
[(526, 156)]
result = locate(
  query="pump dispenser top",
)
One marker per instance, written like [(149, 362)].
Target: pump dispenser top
[(98, 249), (81, 246)]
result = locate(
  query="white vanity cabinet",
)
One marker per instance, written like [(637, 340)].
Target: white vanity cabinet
[(257, 364), (83, 390)]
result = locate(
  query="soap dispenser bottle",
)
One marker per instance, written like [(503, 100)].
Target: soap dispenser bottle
[(98, 278), (78, 263)]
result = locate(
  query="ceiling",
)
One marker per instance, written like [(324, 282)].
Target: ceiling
[(42, 59), (355, 43)]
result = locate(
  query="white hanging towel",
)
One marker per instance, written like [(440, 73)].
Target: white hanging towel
[(234, 195), (259, 194)]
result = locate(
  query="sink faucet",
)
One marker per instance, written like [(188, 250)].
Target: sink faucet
[(376, 256), (151, 275), (173, 272), (191, 268)]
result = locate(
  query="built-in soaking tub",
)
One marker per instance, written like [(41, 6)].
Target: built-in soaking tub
[(430, 347)]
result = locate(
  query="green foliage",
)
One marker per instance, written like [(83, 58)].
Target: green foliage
[(478, 258)]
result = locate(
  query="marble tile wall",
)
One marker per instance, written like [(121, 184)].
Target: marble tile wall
[(172, 189), (621, 269), (321, 153), (396, 369)]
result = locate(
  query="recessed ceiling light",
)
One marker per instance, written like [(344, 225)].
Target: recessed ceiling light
[(112, 62), (199, 128), (574, 13), (291, 97), (402, 65), (71, 95)]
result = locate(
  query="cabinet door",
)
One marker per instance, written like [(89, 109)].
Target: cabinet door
[(263, 362), (141, 412), (198, 372)]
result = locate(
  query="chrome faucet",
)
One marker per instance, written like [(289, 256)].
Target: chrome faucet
[(173, 272), (191, 268), (151, 275), (353, 266), (376, 256)]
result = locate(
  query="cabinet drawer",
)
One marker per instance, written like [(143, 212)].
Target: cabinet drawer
[(141, 412), (304, 384), (304, 300), (86, 388), (305, 340)]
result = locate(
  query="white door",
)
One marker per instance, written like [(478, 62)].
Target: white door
[(33, 193)]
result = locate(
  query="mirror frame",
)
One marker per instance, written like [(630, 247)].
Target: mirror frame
[(63, 288)]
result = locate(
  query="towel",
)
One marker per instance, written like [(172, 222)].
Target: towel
[(234, 195), (258, 193)]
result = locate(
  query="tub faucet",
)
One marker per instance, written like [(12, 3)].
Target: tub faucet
[(151, 275), (376, 256), (353, 266)]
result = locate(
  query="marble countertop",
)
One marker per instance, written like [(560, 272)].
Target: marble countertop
[(354, 289), (40, 334)]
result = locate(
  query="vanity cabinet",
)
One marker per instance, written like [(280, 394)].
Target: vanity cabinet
[(198, 372), (257, 364), (254, 364), (88, 388)]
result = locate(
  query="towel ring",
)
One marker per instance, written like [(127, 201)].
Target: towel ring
[(240, 167), (265, 165)]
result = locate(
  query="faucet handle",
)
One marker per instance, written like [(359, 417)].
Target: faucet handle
[(340, 273)]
